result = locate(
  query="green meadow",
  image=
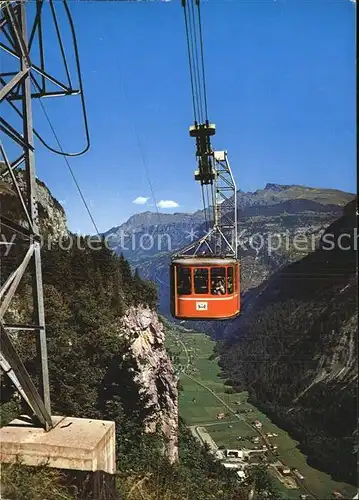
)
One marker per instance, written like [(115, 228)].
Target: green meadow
[(193, 357)]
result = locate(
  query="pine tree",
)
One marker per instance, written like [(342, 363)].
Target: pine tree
[(114, 291), (127, 280)]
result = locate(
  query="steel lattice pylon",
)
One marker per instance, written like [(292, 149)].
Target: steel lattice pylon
[(18, 87), (222, 238)]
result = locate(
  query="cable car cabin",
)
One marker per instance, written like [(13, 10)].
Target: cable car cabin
[(205, 288)]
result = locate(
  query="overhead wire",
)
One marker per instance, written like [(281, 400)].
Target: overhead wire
[(196, 61), (202, 59), (204, 90), (148, 176), (204, 207), (190, 61), (70, 169), (59, 38), (66, 89), (61, 151), (194, 38), (79, 74), (142, 153), (139, 144)]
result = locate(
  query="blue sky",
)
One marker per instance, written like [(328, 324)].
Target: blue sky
[(281, 91)]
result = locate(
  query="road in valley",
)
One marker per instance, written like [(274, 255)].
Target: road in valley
[(200, 432), (195, 429)]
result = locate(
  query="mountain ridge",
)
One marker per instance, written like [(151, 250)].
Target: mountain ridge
[(250, 198), (282, 210)]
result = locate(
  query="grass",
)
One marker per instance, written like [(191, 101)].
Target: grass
[(320, 483), (199, 406), (228, 436), (33, 483)]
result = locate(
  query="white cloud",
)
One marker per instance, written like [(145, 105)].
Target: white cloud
[(140, 200), (167, 204)]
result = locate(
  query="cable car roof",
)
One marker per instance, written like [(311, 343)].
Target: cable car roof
[(205, 261)]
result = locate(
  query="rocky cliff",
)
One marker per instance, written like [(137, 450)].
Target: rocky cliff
[(51, 215), (92, 301), (153, 373)]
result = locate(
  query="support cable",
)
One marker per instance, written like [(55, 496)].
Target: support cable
[(144, 162), (204, 207), (81, 93), (202, 59), (67, 90), (193, 62), (70, 169), (196, 36), (139, 145), (197, 63), (211, 206), (59, 38), (189, 60), (77, 58)]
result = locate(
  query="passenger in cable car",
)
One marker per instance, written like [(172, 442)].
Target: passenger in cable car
[(218, 287), (218, 280), (230, 284)]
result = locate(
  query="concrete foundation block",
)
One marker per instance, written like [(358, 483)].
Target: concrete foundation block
[(74, 443)]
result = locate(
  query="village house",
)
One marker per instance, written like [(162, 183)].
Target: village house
[(298, 474), (235, 454)]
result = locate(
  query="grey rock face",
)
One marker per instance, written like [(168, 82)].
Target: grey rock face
[(154, 373)]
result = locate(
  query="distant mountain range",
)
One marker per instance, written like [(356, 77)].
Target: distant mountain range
[(277, 212), (294, 346)]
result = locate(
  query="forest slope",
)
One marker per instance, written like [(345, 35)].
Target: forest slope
[(295, 349), (107, 360)]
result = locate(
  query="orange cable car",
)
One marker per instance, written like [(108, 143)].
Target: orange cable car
[(205, 288), (206, 284)]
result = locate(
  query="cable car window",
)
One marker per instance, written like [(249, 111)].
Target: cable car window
[(236, 278), (230, 279), (218, 280), (183, 281), (201, 280)]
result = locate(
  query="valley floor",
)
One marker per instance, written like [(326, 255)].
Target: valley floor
[(225, 421)]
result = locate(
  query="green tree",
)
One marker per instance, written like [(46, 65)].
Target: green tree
[(262, 483)]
